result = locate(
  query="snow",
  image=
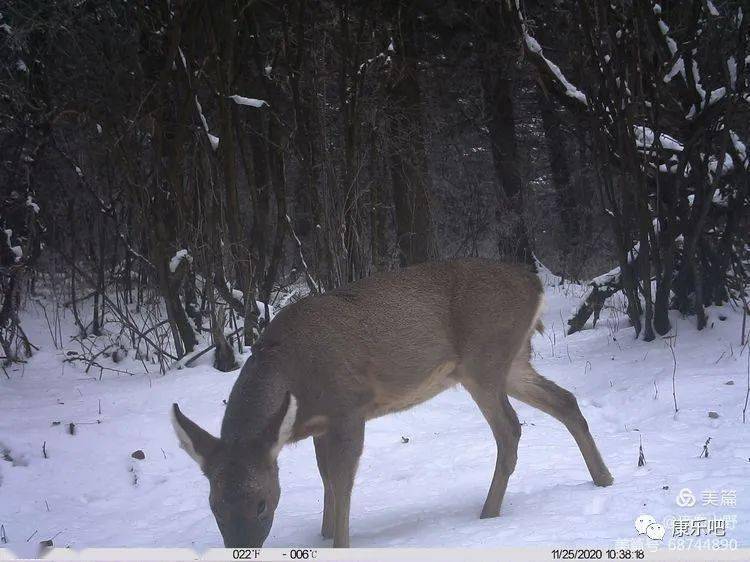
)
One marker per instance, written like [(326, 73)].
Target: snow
[(713, 165), (200, 113), (672, 44), (677, 67), (182, 58), (732, 68), (427, 492), (716, 95), (252, 102), (644, 137), (697, 79), (30, 203), (719, 199), (664, 28), (740, 147), (17, 250), (570, 90), (212, 139), (711, 8), (176, 260), (606, 278)]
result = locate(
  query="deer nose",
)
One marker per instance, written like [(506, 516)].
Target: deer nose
[(245, 533)]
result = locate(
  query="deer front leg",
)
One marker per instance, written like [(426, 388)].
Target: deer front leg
[(321, 454), (345, 442)]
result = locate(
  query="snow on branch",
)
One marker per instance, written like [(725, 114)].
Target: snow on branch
[(740, 148), (570, 90), (214, 140), (178, 258), (601, 288), (549, 69), (645, 138), (383, 55), (16, 250), (678, 67), (252, 102)]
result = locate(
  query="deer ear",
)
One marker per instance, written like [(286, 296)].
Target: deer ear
[(197, 442), (282, 425)]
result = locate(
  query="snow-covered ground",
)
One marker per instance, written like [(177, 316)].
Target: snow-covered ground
[(425, 492)]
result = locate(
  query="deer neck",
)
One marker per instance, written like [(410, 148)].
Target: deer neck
[(256, 396)]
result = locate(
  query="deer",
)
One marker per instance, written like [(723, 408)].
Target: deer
[(330, 362)]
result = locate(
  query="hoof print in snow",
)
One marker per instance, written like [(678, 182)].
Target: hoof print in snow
[(404, 439), (133, 476), (13, 458), (72, 428), (713, 415), (140, 455), (729, 383)]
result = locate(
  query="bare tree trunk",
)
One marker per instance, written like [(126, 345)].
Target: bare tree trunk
[(556, 143), (278, 181), (514, 243), (407, 156)]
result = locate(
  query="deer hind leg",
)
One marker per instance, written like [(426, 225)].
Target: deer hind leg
[(528, 386), (321, 454), (502, 419), (345, 441)]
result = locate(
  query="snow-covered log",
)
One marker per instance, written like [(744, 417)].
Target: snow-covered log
[(602, 288)]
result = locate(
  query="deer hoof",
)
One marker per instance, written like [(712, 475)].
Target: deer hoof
[(489, 514), (603, 479)]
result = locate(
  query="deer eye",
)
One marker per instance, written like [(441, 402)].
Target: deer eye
[(261, 508)]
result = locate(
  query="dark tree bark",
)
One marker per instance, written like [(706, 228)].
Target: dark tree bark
[(407, 158), (556, 143), (500, 48)]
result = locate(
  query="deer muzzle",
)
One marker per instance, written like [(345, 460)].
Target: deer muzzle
[(246, 532)]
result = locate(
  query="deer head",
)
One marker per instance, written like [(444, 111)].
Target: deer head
[(244, 476)]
